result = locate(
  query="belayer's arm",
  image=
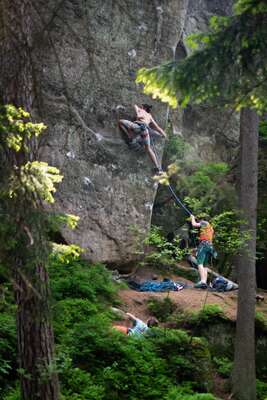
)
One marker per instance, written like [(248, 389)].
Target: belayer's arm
[(194, 223)]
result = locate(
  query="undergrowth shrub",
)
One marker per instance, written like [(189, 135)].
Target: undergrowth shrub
[(162, 251), (261, 390), (162, 309), (223, 366), (8, 345), (73, 278)]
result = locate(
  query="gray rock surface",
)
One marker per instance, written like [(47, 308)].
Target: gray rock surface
[(87, 55), (212, 133)]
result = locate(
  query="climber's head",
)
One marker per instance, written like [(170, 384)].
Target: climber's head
[(147, 107)]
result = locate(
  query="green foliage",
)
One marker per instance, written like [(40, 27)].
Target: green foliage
[(165, 253), (56, 221), (75, 279), (228, 235), (232, 53), (80, 386), (7, 348), (12, 394), (209, 314), (188, 359), (223, 366), (16, 129), (204, 187), (263, 129), (96, 360), (161, 308), (253, 6), (261, 322), (35, 178), (181, 394), (261, 388), (175, 147)]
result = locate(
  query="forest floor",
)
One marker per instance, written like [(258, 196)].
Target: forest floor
[(188, 299)]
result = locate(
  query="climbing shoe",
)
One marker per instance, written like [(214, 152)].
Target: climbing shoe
[(200, 285), (157, 171)]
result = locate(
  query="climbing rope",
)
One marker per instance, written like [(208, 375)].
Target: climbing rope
[(178, 201), (176, 198)]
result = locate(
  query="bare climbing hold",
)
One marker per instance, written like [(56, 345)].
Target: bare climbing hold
[(87, 181), (71, 155), (132, 53)]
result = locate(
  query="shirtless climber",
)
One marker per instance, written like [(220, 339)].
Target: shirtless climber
[(142, 127)]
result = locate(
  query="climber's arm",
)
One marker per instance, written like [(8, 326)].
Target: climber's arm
[(158, 128)]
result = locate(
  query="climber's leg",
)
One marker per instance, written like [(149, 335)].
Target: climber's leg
[(128, 127), (150, 152)]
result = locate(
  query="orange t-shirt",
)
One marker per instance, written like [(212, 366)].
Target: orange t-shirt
[(206, 231)]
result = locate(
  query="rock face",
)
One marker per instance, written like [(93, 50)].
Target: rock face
[(87, 56), (212, 133)]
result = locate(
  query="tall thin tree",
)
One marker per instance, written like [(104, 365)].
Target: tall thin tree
[(244, 363), (35, 334)]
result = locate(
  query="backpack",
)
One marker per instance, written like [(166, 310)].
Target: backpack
[(220, 284)]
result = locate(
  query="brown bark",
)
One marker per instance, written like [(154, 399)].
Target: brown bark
[(35, 335), (16, 84), (244, 379)]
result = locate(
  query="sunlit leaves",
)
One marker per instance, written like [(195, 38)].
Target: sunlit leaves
[(156, 83), (57, 221), (37, 178), (16, 129), (228, 66), (66, 253), (33, 179), (164, 176)]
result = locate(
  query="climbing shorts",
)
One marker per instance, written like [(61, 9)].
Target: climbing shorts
[(204, 252), (138, 129)]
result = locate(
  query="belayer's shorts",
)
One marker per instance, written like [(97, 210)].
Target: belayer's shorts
[(204, 252)]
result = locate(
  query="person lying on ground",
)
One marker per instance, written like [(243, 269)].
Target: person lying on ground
[(141, 128), (138, 327), (204, 250)]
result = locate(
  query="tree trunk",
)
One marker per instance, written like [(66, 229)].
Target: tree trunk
[(244, 379), (35, 336), (34, 330)]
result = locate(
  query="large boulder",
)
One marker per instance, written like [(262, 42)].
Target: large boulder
[(86, 59)]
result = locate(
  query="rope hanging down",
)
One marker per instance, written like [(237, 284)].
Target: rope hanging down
[(176, 198), (178, 201)]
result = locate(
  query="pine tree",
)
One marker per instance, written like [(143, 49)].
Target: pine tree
[(25, 185)]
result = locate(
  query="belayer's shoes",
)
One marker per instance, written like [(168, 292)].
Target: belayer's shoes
[(201, 285)]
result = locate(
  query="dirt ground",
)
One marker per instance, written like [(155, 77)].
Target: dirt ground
[(187, 299)]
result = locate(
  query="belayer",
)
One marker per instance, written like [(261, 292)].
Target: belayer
[(204, 250), (139, 130)]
